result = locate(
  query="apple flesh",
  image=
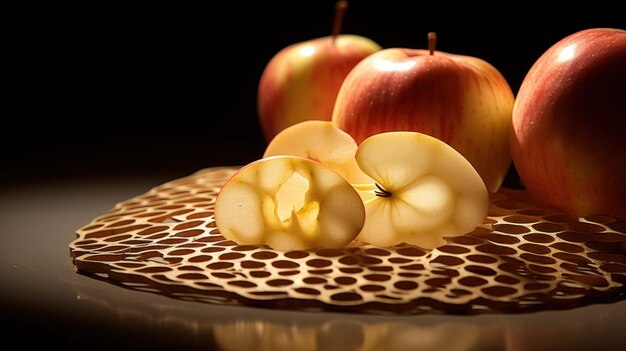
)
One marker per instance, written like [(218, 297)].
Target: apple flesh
[(424, 191), (461, 100), (569, 124), (289, 203), (323, 142), (301, 82)]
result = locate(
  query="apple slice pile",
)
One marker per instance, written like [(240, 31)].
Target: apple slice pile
[(316, 186), (324, 191)]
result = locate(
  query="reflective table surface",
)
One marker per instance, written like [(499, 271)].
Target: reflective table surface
[(44, 302)]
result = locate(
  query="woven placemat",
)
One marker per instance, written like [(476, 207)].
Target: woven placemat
[(524, 258)]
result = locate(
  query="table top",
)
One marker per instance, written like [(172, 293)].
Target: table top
[(41, 291)]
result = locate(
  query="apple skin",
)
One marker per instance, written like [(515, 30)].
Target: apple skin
[(302, 80), (569, 124), (461, 100)]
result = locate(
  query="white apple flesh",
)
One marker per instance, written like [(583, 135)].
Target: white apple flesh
[(424, 191), (289, 203), (323, 142)]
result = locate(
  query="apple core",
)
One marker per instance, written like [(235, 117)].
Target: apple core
[(290, 196)]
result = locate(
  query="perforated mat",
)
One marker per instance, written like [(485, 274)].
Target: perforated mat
[(525, 257)]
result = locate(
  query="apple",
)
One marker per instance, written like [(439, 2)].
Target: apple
[(424, 190), (289, 203), (302, 80), (323, 142), (569, 124), (461, 100)]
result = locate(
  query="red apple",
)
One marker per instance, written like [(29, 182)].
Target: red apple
[(569, 124), (461, 100), (301, 82)]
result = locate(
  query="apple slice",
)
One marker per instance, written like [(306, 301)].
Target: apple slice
[(323, 142), (424, 190), (289, 203)]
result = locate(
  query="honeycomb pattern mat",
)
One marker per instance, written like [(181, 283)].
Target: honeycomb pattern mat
[(524, 258)]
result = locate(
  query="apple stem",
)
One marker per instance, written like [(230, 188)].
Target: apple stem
[(340, 11), (432, 41), (381, 191)]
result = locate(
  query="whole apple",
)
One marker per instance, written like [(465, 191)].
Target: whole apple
[(461, 100), (302, 80), (569, 124)]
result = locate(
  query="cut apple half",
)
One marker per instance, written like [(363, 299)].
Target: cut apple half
[(323, 142), (289, 203), (424, 190)]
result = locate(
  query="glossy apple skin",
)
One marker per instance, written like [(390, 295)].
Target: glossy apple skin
[(569, 124), (461, 100), (301, 81)]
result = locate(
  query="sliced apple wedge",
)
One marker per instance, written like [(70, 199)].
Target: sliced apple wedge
[(424, 190), (323, 142), (289, 203)]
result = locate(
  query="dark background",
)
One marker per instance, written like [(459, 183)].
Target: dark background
[(113, 90), (160, 91)]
